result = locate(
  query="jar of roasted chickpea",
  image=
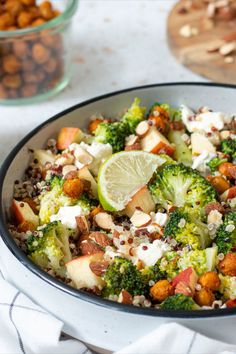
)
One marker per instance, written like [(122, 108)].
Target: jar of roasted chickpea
[(35, 50)]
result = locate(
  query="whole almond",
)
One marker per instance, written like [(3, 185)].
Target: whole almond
[(101, 238), (227, 48), (99, 268), (136, 146), (89, 248), (125, 297)]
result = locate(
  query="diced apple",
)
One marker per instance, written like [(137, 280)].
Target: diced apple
[(44, 156), (80, 273), (156, 143), (231, 303), (185, 282), (67, 136), (201, 143), (84, 173), (23, 213), (143, 200)]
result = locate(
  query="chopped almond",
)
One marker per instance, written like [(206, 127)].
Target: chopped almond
[(83, 156), (125, 297), (101, 238), (142, 128), (67, 169), (99, 268), (104, 220), (89, 247), (140, 218), (82, 224)]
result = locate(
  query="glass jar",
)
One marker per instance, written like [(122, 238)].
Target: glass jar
[(35, 62)]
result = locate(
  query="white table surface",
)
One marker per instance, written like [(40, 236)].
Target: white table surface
[(116, 44)]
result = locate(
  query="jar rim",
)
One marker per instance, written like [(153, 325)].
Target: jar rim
[(65, 15)]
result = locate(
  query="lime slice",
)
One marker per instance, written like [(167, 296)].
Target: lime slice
[(122, 175)]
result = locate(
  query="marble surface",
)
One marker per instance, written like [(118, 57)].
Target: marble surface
[(116, 44)]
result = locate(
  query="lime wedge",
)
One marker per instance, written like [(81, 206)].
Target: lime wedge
[(122, 175)]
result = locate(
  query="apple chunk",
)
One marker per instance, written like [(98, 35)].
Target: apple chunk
[(23, 213), (201, 143), (67, 136), (44, 156), (80, 273), (185, 282), (156, 143), (143, 200)]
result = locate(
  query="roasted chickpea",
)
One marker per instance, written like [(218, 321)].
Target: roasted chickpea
[(51, 65), (228, 265), (6, 20), (48, 39), (73, 187), (210, 280), (220, 184), (12, 81), (29, 90), (28, 66), (34, 10), (3, 92), (46, 10), (28, 2), (204, 297), (40, 53), (11, 65), (38, 22), (94, 124), (24, 19), (14, 7), (13, 93), (161, 290), (20, 49), (224, 168)]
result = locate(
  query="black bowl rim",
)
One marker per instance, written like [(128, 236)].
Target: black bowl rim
[(82, 295)]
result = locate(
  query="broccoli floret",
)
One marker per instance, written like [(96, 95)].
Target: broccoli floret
[(179, 302), (226, 234), (51, 202), (152, 273), (87, 203), (214, 163), (122, 274), (51, 250), (134, 115), (113, 134), (187, 229), (56, 181), (180, 186), (195, 259), (228, 147), (169, 264), (227, 287)]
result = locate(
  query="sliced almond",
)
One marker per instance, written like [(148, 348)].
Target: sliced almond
[(136, 146), (229, 60), (227, 48), (82, 224), (142, 128), (104, 220), (211, 9), (68, 168), (131, 139), (83, 156), (125, 297), (230, 37), (64, 159), (224, 134), (221, 3), (215, 47), (139, 218)]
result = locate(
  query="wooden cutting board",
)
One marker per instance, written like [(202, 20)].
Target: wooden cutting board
[(192, 52)]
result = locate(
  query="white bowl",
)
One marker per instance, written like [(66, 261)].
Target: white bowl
[(99, 322)]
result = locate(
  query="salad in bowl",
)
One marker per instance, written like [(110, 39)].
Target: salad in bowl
[(140, 210)]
